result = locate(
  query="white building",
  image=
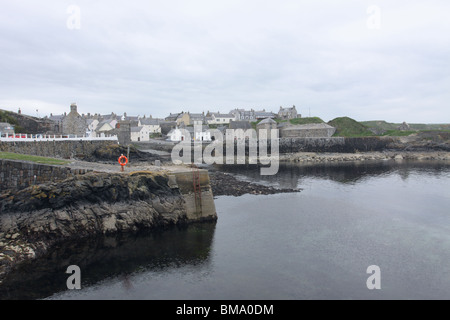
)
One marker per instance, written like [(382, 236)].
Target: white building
[(106, 125), (218, 118), (203, 136), (178, 135), (92, 124), (139, 134), (151, 125)]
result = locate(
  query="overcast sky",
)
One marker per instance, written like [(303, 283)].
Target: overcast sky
[(328, 58)]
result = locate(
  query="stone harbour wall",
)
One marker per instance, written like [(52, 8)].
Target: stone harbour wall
[(16, 175), (334, 144), (55, 149)]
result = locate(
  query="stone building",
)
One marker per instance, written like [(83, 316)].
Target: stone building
[(243, 115), (183, 119), (288, 113), (140, 134), (313, 130), (73, 123), (150, 124), (123, 132), (267, 124), (167, 126), (219, 118), (261, 115)]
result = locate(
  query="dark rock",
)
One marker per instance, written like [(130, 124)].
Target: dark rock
[(224, 184)]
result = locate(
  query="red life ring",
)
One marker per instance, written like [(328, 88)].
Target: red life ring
[(121, 162)]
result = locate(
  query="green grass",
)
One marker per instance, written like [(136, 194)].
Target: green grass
[(398, 133), (35, 159), (348, 127), (387, 126), (380, 125), (306, 120)]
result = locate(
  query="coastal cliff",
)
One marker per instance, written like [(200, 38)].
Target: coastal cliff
[(35, 218)]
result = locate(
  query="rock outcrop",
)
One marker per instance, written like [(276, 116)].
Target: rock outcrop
[(35, 218)]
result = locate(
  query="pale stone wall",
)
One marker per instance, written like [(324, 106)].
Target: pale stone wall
[(16, 175), (55, 149)]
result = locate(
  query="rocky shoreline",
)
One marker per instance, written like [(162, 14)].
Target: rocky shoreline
[(33, 219), (310, 157), (226, 184)]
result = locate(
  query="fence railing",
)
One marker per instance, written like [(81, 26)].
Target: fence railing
[(52, 137)]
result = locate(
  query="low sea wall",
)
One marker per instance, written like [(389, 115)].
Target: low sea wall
[(57, 149), (16, 175), (334, 144), (293, 145)]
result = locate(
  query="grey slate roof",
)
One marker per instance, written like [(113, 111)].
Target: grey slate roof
[(240, 125), (150, 122), (136, 129)]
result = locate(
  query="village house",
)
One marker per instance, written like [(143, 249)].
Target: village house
[(92, 124), (261, 115), (150, 125), (177, 135), (288, 113), (106, 125), (57, 120), (252, 115), (139, 134), (167, 126), (134, 120), (172, 117), (73, 123), (183, 119), (195, 133), (196, 119), (220, 118), (267, 124), (243, 115)]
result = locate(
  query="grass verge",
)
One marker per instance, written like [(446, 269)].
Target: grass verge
[(35, 159)]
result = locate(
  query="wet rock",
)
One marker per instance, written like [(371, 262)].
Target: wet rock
[(223, 184), (35, 218)]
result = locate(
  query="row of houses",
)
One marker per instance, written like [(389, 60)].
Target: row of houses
[(142, 128), (217, 118), (241, 130)]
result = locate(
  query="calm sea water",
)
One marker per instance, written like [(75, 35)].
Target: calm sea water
[(316, 244)]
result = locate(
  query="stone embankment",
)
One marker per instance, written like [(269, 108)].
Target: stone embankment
[(308, 157), (35, 218)]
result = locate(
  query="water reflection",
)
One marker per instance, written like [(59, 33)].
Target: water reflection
[(111, 257), (291, 174)]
